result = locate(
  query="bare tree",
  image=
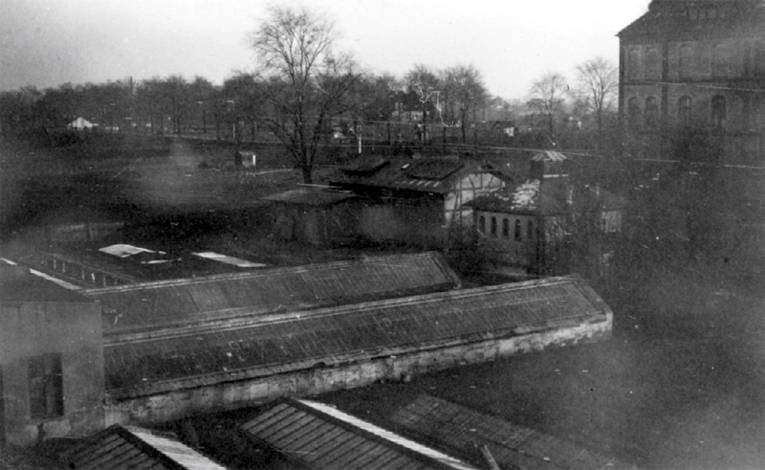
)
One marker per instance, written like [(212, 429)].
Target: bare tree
[(597, 86), (307, 81), (465, 93), (422, 81), (547, 96)]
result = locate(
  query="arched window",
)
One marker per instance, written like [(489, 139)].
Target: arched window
[(494, 226), (720, 62), (529, 230), (517, 230), (685, 64), (747, 53), (719, 111), (652, 63), (633, 112), (633, 63), (505, 228), (482, 224), (759, 59), (684, 109), (651, 111)]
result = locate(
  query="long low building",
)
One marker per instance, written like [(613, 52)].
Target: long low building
[(153, 379), (179, 303)]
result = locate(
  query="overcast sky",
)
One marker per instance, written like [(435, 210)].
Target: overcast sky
[(50, 42)]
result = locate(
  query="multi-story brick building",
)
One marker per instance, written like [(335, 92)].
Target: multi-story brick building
[(692, 80)]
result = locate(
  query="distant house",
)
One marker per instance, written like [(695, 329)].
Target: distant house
[(417, 200), (318, 216), (51, 360), (81, 124)]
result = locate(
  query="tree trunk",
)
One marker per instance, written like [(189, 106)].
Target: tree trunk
[(307, 173)]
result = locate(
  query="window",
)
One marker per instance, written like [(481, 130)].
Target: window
[(747, 53), (651, 112), (482, 224), (652, 63), (494, 226), (46, 393), (530, 230), (633, 64), (505, 228), (684, 108), (685, 64), (759, 59), (719, 111), (517, 230), (719, 61), (633, 112)]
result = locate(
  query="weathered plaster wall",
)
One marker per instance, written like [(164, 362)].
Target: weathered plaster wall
[(71, 329)]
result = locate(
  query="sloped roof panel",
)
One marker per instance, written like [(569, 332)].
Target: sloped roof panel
[(135, 448), (319, 436), (452, 426), (341, 334), (186, 301)]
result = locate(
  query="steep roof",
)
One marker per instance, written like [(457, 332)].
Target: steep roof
[(133, 447), (319, 436), (350, 333), (424, 175), (270, 290), (453, 427)]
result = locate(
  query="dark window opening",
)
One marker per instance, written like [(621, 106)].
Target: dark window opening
[(505, 228), (482, 224), (651, 112), (684, 109), (686, 61), (652, 63), (633, 112), (494, 226), (633, 64), (517, 230), (46, 393), (530, 230), (719, 61), (719, 111)]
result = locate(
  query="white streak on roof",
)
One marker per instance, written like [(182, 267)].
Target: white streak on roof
[(389, 436), (241, 263), (122, 250)]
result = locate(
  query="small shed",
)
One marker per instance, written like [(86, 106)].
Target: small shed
[(245, 159), (315, 215)]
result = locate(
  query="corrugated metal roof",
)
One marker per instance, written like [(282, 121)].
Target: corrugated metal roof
[(129, 447), (428, 175), (322, 437), (452, 426), (271, 290), (348, 334)]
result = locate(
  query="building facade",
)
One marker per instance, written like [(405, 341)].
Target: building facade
[(51, 360), (692, 81)]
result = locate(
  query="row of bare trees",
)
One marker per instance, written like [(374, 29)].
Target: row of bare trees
[(591, 96), (302, 85)]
